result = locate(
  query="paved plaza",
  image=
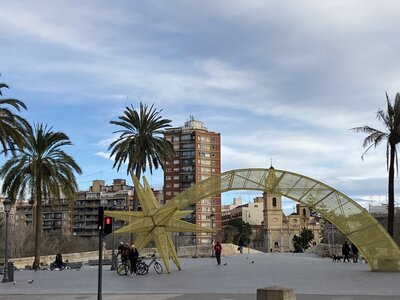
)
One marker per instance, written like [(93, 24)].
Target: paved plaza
[(311, 277)]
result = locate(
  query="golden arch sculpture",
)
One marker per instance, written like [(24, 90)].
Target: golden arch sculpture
[(375, 244)]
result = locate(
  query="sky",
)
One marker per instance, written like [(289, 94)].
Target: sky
[(280, 80)]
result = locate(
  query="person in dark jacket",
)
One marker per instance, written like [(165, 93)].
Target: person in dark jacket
[(354, 249), (59, 261), (217, 251), (346, 251), (133, 258), (241, 245), (125, 252)]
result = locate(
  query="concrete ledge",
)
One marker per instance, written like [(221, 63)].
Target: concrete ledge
[(275, 293)]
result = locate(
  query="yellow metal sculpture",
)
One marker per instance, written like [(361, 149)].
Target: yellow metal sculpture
[(362, 229), (375, 244), (155, 223)]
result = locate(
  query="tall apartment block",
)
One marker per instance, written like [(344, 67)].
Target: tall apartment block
[(197, 157)]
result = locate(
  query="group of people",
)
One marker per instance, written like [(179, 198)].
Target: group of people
[(346, 249), (129, 253)]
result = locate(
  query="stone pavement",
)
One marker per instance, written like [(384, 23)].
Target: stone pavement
[(310, 276)]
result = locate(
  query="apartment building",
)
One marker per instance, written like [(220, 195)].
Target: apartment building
[(57, 216), (251, 213), (198, 156), (117, 196)]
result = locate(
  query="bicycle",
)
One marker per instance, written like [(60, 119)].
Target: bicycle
[(123, 268), (157, 266)]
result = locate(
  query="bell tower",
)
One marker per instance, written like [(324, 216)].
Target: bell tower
[(273, 213)]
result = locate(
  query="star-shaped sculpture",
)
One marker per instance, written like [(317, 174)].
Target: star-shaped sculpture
[(155, 223)]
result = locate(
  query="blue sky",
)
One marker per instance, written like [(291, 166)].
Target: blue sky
[(281, 80)]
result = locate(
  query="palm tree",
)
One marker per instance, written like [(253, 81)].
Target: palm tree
[(43, 169), (391, 134), (141, 142), (12, 126)]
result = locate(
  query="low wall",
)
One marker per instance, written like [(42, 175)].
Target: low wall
[(182, 251)]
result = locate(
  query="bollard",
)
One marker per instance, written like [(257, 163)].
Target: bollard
[(275, 293)]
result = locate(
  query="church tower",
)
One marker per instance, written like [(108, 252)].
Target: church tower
[(273, 213)]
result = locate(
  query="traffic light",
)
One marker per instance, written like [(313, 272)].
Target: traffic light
[(108, 225)]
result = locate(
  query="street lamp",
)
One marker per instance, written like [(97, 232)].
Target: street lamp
[(212, 217), (113, 257), (7, 209)]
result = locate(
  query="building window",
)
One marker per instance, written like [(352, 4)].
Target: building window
[(276, 244), (176, 162), (274, 202), (304, 212)]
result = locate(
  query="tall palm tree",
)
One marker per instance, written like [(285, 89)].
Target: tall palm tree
[(141, 142), (390, 134), (12, 126), (43, 169)]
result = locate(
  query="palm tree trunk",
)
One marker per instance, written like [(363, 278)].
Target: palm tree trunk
[(38, 225), (135, 196), (391, 190)]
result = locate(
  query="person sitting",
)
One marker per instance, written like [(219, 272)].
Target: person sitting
[(59, 261)]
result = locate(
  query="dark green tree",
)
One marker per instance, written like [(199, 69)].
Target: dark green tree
[(237, 230), (391, 135), (12, 126), (302, 242), (42, 169), (141, 141)]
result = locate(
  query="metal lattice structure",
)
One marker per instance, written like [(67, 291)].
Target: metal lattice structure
[(374, 243), (155, 223)]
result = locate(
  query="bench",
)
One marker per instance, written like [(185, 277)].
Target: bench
[(95, 262), (75, 265)]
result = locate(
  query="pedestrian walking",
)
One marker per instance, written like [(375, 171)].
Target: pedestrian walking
[(217, 251), (346, 251)]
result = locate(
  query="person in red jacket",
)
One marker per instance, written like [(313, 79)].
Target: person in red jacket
[(217, 251)]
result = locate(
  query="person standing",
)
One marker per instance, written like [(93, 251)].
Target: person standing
[(133, 258), (346, 251), (120, 249), (125, 253), (217, 251), (354, 249)]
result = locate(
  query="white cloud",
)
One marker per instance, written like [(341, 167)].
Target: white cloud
[(279, 80)]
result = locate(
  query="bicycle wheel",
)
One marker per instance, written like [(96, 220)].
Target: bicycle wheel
[(142, 268), (158, 267), (122, 269)]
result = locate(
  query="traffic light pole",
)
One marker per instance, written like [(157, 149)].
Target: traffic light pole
[(100, 272)]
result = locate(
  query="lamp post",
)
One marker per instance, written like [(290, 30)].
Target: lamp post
[(212, 217), (113, 258), (7, 209)]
